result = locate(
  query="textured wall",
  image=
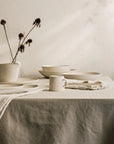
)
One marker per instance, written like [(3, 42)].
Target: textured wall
[(79, 32)]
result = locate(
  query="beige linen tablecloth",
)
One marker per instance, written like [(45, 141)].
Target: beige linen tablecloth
[(69, 117)]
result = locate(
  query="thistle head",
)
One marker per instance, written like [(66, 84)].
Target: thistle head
[(37, 22), (21, 35), (21, 48), (3, 22)]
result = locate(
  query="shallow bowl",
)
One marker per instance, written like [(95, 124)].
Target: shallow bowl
[(54, 68)]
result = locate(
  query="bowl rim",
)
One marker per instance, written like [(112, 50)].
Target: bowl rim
[(51, 66), (9, 63), (84, 74)]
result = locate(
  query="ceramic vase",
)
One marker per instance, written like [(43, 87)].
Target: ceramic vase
[(9, 72)]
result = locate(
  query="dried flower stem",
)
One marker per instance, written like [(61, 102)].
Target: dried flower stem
[(20, 43), (28, 34), (14, 59), (8, 41)]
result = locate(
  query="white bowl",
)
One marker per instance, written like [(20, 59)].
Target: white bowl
[(53, 68), (83, 76), (47, 74)]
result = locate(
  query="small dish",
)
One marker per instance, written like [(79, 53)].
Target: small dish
[(56, 68), (83, 76)]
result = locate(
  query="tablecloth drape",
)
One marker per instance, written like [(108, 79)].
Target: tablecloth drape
[(58, 122)]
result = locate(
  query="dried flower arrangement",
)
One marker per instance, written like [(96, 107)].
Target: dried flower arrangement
[(22, 39)]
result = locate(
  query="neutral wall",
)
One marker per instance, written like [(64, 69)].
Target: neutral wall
[(78, 32)]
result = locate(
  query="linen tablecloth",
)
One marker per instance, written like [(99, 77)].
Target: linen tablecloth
[(69, 117)]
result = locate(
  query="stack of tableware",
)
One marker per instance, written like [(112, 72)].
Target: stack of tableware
[(22, 86), (48, 70), (9, 91), (81, 80)]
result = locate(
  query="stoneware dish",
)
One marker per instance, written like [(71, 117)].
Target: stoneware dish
[(9, 72), (59, 68), (83, 76), (48, 74)]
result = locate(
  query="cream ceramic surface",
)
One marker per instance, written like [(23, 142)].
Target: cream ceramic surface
[(83, 76), (48, 74), (9, 72), (56, 83), (56, 68)]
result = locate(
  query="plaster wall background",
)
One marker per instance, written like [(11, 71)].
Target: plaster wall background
[(78, 32)]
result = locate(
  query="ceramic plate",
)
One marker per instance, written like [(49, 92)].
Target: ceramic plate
[(8, 86), (27, 80), (12, 93), (83, 76), (31, 87), (26, 88)]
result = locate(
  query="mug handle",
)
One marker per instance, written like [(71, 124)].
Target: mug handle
[(64, 82)]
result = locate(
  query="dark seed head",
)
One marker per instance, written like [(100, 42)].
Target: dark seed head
[(3, 22), (21, 48), (37, 22), (29, 41), (21, 35)]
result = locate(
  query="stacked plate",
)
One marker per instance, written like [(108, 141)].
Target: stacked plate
[(68, 73), (23, 85)]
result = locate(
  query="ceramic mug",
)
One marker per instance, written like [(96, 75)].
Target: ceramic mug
[(57, 83)]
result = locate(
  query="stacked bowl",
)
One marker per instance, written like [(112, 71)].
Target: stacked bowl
[(48, 70)]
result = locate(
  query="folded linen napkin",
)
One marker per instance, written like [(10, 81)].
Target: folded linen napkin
[(85, 85)]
